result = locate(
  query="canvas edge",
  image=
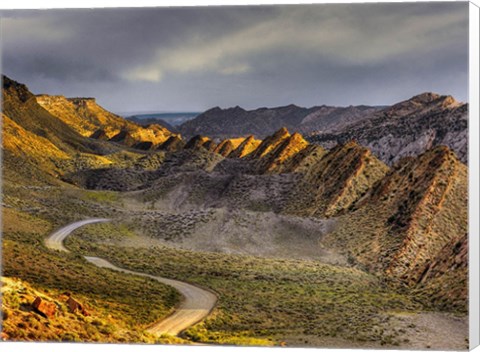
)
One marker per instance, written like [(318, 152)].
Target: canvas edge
[(474, 159)]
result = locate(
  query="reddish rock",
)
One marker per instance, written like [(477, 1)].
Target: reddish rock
[(75, 306), (44, 307)]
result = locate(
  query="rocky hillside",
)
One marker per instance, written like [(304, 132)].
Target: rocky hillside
[(39, 147), (22, 145), (21, 106), (234, 122), (333, 181), (407, 128), (89, 119), (404, 223), (445, 277), (82, 114)]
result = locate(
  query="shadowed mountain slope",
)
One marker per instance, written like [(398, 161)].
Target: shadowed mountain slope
[(172, 144), (197, 142), (335, 180)]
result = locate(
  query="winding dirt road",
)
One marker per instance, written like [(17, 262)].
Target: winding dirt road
[(197, 302)]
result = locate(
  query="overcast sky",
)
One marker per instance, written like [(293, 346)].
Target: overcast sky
[(191, 59)]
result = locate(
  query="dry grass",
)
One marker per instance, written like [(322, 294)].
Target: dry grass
[(262, 301), (121, 306)]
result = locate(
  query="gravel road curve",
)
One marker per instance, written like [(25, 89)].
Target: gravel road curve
[(197, 302)]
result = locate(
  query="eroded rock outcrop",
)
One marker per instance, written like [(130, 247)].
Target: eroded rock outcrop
[(74, 306), (247, 147), (44, 307), (277, 159), (336, 180)]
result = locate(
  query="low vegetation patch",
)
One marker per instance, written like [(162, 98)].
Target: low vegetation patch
[(121, 306), (264, 301)]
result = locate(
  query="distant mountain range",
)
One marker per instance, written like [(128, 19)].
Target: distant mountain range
[(391, 132), (170, 118), (226, 123)]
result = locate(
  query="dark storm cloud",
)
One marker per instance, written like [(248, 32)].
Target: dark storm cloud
[(80, 44), (194, 58)]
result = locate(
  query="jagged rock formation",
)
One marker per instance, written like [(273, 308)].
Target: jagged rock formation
[(270, 143), (248, 146), (408, 128), (405, 221), (227, 146), (172, 144), (209, 145), (304, 159), (337, 179), (277, 159), (391, 132), (423, 193), (197, 142), (224, 148)]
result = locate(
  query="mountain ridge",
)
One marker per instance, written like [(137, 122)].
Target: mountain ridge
[(406, 128)]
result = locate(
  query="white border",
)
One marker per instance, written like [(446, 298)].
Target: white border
[(474, 170)]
